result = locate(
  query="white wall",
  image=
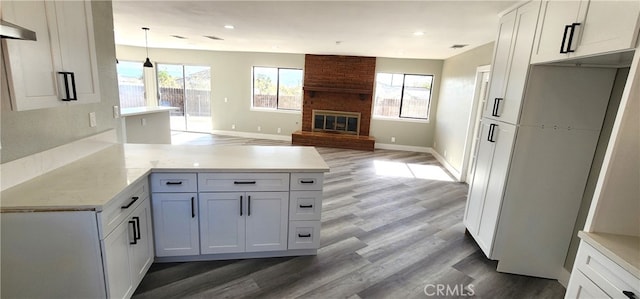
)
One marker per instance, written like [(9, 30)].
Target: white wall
[(231, 79), (455, 102)]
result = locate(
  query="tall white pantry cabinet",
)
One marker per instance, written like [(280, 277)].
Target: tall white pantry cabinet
[(539, 132)]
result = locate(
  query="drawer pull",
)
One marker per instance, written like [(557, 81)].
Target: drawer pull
[(629, 294), (135, 198), (135, 239), (307, 182), (244, 183), (306, 206), (174, 183), (304, 236)]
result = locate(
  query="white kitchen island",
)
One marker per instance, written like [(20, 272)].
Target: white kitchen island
[(85, 229)]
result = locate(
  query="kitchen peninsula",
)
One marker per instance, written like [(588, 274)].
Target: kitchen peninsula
[(85, 229)]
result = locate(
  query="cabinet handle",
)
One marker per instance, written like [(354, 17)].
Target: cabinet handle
[(66, 76), (492, 128), (240, 205), (193, 208), (304, 236), (244, 183), (564, 39), (573, 30), (130, 203), (629, 294), (307, 182), (174, 183), (137, 228), (134, 233), (496, 106), (248, 205), (306, 206)]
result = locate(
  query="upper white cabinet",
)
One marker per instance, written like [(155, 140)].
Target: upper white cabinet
[(571, 29), (511, 63), (61, 66)]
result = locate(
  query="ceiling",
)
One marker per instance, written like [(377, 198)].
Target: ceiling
[(362, 28)]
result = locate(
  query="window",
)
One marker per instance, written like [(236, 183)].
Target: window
[(277, 88), (402, 96), (131, 84)]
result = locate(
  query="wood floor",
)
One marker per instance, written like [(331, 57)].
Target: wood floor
[(391, 228)]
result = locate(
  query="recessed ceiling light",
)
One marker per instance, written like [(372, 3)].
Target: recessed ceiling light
[(229, 26), (458, 46), (213, 37), (418, 33), (179, 37)]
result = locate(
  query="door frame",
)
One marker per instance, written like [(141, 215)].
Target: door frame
[(474, 120)]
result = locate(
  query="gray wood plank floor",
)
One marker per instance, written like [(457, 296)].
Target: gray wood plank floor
[(391, 225)]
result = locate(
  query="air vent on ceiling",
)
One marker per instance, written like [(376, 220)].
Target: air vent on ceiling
[(213, 37), (457, 46), (179, 37)]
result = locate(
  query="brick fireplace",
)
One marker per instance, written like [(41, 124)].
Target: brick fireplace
[(337, 87)]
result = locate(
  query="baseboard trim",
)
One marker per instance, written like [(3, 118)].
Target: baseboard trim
[(234, 256), (454, 172), (253, 135), (563, 277), (406, 148)]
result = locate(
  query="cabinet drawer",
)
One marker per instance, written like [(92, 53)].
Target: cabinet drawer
[(121, 206), (605, 273), (304, 234), (243, 182), (174, 182), (305, 205), (307, 181)]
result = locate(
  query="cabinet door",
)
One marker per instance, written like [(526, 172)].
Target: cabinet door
[(500, 64), (77, 48), (482, 168), (503, 135), (142, 250), (607, 26), (266, 220), (118, 261), (580, 287), (554, 17), (508, 109), (30, 64), (175, 223), (222, 222)]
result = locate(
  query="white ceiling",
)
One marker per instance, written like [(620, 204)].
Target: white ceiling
[(363, 28)]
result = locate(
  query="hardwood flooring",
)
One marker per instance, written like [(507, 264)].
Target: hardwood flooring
[(391, 228)]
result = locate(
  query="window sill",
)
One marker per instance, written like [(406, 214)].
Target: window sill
[(397, 119), (275, 110)]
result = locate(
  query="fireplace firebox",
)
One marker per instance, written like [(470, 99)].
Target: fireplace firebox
[(336, 122)]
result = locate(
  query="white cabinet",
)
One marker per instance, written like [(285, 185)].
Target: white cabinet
[(511, 63), (65, 43), (570, 29), (129, 252), (581, 287), (175, 223), (243, 222), (487, 188)]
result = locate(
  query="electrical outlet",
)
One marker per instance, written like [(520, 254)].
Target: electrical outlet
[(233, 127), (116, 112), (393, 140), (143, 122), (259, 128), (92, 119), (279, 130)]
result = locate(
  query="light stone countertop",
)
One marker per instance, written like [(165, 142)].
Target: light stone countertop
[(91, 182), (623, 250)]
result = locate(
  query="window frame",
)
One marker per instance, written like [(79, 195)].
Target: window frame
[(399, 117), (144, 83), (277, 109)]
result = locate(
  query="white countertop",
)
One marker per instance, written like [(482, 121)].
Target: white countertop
[(623, 250), (145, 110), (89, 183)]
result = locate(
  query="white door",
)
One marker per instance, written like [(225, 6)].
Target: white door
[(175, 223), (482, 101), (142, 249), (266, 220), (118, 260), (482, 169), (500, 64), (552, 33), (222, 222), (503, 136)]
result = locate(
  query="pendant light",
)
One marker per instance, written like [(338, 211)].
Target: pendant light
[(147, 63)]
